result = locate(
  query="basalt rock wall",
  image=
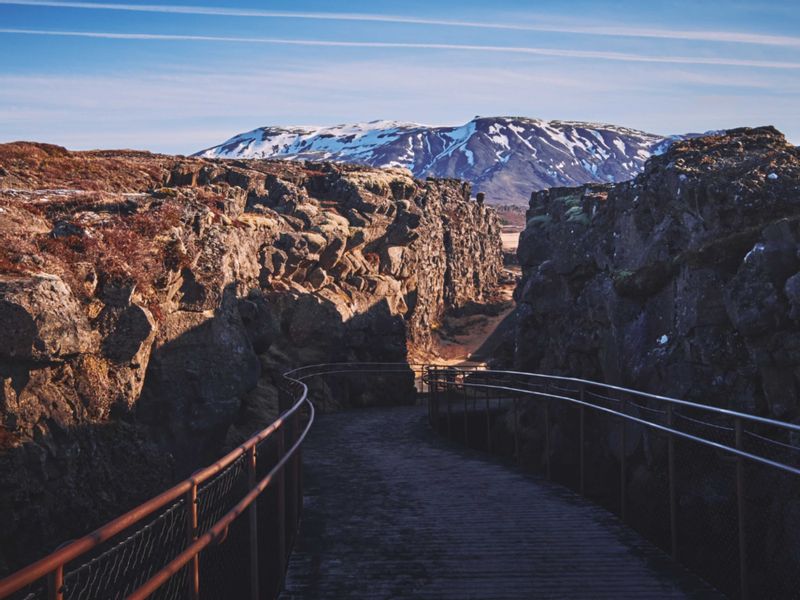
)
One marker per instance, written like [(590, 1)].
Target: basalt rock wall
[(147, 304), (683, 281)]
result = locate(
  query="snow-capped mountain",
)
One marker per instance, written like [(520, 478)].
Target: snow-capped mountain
[(506, 157)]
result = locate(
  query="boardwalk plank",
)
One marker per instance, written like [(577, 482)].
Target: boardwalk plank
[(394, 511)]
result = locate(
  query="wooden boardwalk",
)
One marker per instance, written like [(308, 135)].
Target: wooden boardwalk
[(394, 511)]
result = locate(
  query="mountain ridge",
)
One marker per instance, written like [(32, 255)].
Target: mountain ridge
[(505, 157)]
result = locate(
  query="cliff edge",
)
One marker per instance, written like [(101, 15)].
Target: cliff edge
[(148, 302)]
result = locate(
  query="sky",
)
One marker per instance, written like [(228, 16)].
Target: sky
[(178, 77)]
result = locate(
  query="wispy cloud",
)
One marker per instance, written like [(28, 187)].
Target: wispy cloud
[(552, 52), (182, 108), (736, 37)]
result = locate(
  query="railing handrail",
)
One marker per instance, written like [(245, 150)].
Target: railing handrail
[(658, 414), (660, 427), (219, 528), (686, 403), (73, 550)]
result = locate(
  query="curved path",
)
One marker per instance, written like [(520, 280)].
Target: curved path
[(394, 511)]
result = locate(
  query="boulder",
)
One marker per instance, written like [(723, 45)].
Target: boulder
[(317, 278), (41, 320), (126, 333)]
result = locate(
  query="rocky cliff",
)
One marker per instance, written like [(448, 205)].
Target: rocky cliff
[(146, 303), (684, 281)]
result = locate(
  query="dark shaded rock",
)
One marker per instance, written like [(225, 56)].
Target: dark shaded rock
[(62, 229), (792, 291), (699, 252), (644, 282), (683, 282), (126, 332)]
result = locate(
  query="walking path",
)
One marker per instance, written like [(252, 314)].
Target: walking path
[(394, 511)]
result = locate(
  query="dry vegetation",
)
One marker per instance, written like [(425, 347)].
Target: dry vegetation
[(90, 249)]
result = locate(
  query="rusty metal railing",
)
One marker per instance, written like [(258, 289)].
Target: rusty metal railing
[(193, 540), (227, 530), (749, 465), (162, 547)]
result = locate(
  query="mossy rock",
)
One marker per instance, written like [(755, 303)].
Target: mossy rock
[(575, 214), (581, 218), (571, 200), (539, 220), (643, 282)]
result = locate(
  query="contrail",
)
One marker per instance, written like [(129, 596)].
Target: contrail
[(614, 31), (579, 54)]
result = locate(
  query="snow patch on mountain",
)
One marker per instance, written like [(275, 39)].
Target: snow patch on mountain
[(505, 157)]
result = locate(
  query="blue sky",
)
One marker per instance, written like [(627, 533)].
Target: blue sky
[(181, 76)]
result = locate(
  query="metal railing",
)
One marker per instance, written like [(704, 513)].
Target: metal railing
[(199, 538), (193, 540), (659, 450)]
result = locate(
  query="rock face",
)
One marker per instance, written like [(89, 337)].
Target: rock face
[(682, 281), (146, 302), (505, 157)]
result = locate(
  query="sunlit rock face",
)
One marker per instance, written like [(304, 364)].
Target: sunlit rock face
[(682, 281), (148, 303)]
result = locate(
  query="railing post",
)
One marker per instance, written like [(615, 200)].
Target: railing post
[(516, 430), (55, 584), (673, 496), (488, 423), (191, 536), (295, 466), (449, 393), (464, 394), (475, 396), (253, 523), (740, 501), (439, 398), (426, 385), (623, 505), (547, 433), (428, 396), (582, 442), (299, 474), (433, 390), (280, 509)]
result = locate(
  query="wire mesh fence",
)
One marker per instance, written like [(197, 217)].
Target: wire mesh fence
[(122, 568), (229, 555), (118, 567), (200, 539)]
